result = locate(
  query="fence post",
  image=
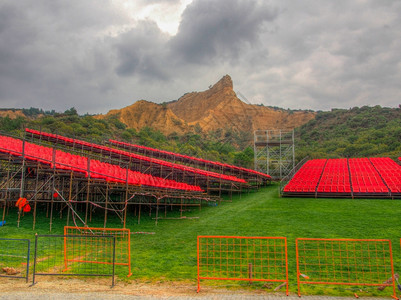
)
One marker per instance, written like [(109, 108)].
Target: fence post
[(27, 262), (114, 261), (296, 255), (250, 272), (198, 264), (34, 258)]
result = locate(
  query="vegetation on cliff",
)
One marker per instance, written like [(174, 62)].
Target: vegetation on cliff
[(356, 132)]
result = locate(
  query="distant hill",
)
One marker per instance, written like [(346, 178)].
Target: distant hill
[(217, 108), (355, 132), (216, 125)]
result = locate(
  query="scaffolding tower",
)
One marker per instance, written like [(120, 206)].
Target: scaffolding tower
[(274, 152)]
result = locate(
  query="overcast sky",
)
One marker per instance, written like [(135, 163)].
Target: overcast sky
[(100, 55)]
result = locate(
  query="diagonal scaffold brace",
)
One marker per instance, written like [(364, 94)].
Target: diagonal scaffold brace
[(74, 213)]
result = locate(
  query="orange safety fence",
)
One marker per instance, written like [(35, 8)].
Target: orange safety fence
[(357, 262), (122, 250), (243, 258)]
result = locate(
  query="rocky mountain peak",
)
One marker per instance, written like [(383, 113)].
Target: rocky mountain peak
[(224, 83), (215, 108)]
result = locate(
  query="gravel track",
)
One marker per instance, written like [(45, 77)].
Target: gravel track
[(74, 289)]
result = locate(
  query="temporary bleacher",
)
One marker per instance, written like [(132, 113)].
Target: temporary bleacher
[(390, 173), (307, 178), (93, 168), (136, 158), (195, 161), (335, 177), (355, 177), (365, 178)]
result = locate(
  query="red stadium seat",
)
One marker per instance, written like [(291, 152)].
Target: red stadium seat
[(362, 176), (77, 163)]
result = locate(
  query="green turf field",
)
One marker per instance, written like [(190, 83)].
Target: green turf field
[(170, 254)]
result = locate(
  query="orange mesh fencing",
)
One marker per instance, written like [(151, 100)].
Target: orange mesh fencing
[(123, 244), (358, 262), (243, 258)]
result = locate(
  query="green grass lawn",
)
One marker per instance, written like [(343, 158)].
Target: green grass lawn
[(170, 254)]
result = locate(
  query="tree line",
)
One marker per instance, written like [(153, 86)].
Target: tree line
[(356, 132)]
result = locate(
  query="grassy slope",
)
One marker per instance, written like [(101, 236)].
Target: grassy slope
[(170, 254)]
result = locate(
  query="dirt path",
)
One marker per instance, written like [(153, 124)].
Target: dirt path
[(71, 288)]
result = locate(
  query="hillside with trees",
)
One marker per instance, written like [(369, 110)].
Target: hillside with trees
[(226, 146), (356, 132)]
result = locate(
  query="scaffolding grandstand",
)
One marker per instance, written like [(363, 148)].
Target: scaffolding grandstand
[(251, 176), (58, 174), (208, 180)]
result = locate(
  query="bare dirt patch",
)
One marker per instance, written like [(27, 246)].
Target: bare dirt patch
[(63, 288), (88, 288)]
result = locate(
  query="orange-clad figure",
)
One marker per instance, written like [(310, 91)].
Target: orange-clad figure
[(23, 205)]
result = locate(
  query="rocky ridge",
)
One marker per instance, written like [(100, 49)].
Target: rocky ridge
[(213, 109)]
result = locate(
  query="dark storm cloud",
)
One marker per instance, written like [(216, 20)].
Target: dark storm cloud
[(43, 45), (296, 54), (140, 51), (334, 54), (218, 30)]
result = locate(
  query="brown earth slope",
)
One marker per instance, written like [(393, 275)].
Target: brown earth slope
[(11, 113), (215, 108), (144, 113)]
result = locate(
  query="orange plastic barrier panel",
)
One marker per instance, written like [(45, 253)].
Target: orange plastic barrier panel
[(123, 244), (243, 258), (358, 262)]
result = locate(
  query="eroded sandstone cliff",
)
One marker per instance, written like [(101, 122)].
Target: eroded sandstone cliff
[(216, 108)]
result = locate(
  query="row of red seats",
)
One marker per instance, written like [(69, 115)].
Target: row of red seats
[(139, 157), (390, 171), (360, 175), (209, 162), (93, 168), (335, 177), (307, 178), (334, 189), (10, 146), (364, 177), (111, 172)]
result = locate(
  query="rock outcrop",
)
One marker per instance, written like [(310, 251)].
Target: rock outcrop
[(216, 108)]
